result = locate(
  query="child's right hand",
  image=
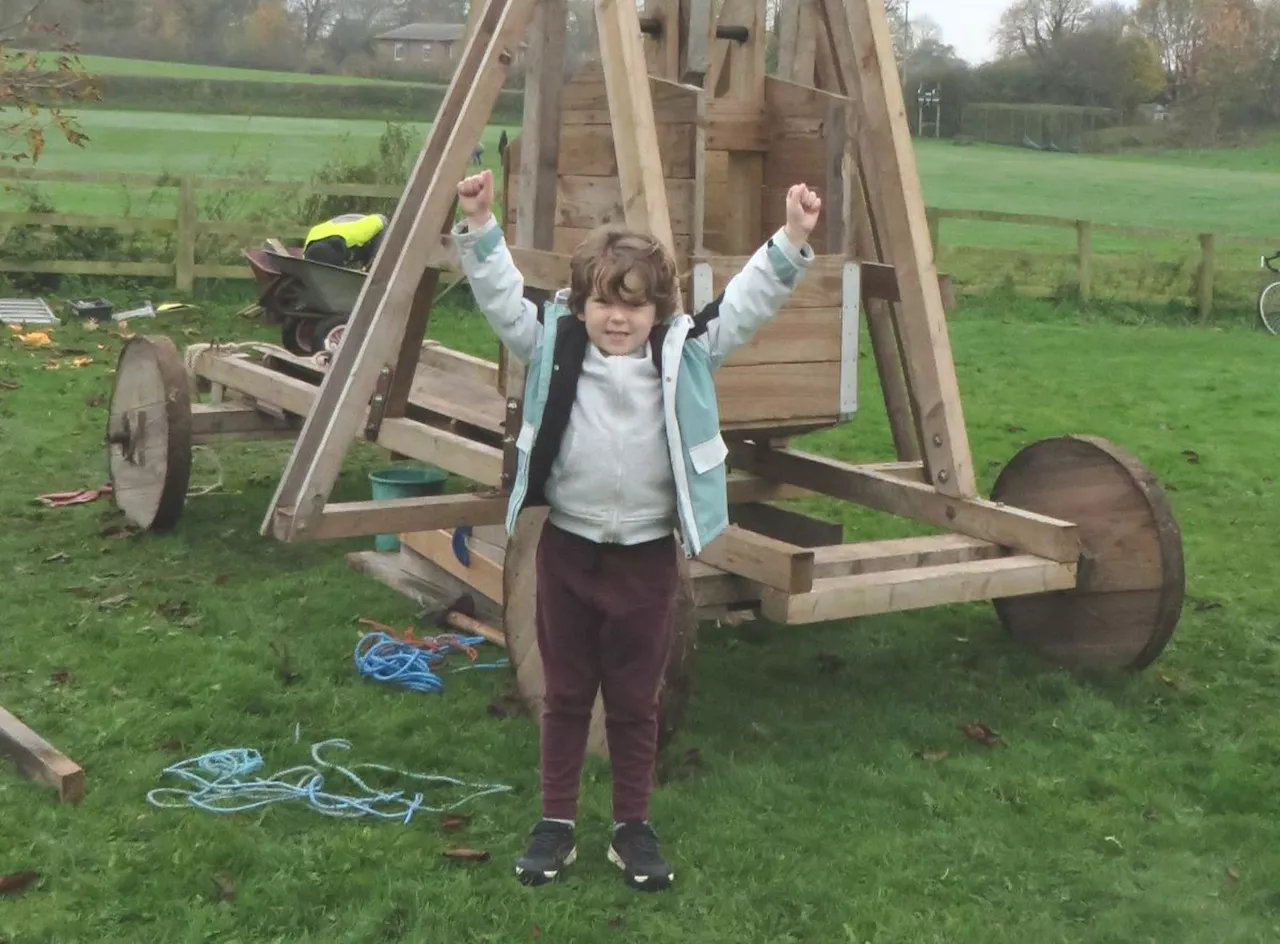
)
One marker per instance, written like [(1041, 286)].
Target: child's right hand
[(475, 197)]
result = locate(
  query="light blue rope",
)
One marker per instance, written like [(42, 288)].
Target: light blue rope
[(222, 783), (384, 658)]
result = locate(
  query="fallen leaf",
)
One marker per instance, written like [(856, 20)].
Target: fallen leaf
[(1204, 606), (535, 931), (1193, 457), (982, 734), (16, 883), (91, 324), (454, 821), (60, 678), (81, 361), (1233, 875), (1016, 429), (466, 855), (56, 558), (118, 692), (52, 365), (16, 328), (37, 338), (221, 580), (931, 755), (173, 746), (111, 603), (9, 385), (120, 529), (80, 591), (224, 888)]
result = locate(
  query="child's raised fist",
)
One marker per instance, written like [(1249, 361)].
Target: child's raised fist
[(475, 197), (803, 208)]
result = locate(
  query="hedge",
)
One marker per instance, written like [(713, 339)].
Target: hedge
[(1044, 127), (288, 99)]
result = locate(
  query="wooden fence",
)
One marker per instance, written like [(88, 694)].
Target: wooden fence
[(188, 227)]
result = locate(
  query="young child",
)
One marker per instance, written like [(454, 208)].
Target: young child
[(621, 440)]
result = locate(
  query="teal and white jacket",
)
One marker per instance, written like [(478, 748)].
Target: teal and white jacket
[(687, 350)]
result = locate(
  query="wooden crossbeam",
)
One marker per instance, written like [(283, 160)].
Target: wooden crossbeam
[(376, 332), (917, 588), (764, 560), (862, 48), (39, 760), (392, 515), (1025, 531)]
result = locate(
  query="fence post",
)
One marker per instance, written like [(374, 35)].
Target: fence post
[(184, 262), (1084, 258), (1206, 276), (935, 224)]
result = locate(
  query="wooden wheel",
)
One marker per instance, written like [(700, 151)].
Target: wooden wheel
[(519, 593), (149, 433), (1128, 598)]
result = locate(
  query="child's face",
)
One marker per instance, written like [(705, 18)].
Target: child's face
[(616, 327)]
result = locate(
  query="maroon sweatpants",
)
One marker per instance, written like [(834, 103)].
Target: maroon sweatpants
[(604, 622)]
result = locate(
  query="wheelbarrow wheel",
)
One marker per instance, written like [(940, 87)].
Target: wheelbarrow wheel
[(296, 336), (326, 335)]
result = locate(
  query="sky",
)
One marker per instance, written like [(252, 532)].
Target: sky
[(966, 24)]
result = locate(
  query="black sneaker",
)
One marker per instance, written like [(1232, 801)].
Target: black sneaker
[(551, 848), (635, 850)]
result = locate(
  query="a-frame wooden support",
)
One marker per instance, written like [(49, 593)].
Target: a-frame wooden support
[(365, 387), (386, 329)]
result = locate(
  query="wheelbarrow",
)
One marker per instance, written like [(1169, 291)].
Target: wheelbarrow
[(311, 301)]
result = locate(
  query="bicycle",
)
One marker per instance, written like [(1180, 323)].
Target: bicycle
[(1269, 299)]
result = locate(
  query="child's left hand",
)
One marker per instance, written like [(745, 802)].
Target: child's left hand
[(803, 208)]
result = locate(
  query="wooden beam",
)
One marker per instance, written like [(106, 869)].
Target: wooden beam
[(917, 588), (376, 330), (764, 560), (863, 54), (539, 154), (237, 419), (1024, 531), (392, 515), (435, 356), (697, 16), (484, 573), (873, 557), (783, 524), (39, 760)]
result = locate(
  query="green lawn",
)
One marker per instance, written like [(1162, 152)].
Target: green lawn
[(1121, 809), (114, 65)]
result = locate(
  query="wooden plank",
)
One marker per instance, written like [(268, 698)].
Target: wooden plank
[(237, 420), (377, 326), (420, 580), (123, 224), (757, 393), (1024, 531), (859, 35), (587, 150), (795, 336), (184, 252), (586, 98), (821, 287), (992, 216), (838, 598), (790, 527), (39, 760), (484, 574), (583, 203), (389, 516), (696, 54), (751, 488), (873, 557), (435, 356), (84, 267), (764, 560)]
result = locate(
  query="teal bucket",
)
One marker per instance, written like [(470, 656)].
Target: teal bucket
[(404, 482)]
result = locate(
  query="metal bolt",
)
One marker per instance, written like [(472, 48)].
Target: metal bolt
[(504, 57), (937, 441), (951, 513), (942, 476)]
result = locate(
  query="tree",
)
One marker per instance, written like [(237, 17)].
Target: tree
[(32, 94), (314, 18), (1177, 28), (1036, 27)]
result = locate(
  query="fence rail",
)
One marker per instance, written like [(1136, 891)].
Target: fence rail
[(188, 227)]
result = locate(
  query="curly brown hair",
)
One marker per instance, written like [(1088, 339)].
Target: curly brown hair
[(615, 264)]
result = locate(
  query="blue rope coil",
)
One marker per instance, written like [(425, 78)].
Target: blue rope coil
[(222, 782), (383, 658)]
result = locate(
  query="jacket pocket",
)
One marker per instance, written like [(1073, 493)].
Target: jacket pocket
[(524, 442), (705, 456)]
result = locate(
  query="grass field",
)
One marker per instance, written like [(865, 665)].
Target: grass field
[(114, 65), (1120, 810)]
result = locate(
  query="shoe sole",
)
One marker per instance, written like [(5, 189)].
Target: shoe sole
[(641, 883), (533, 877)]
